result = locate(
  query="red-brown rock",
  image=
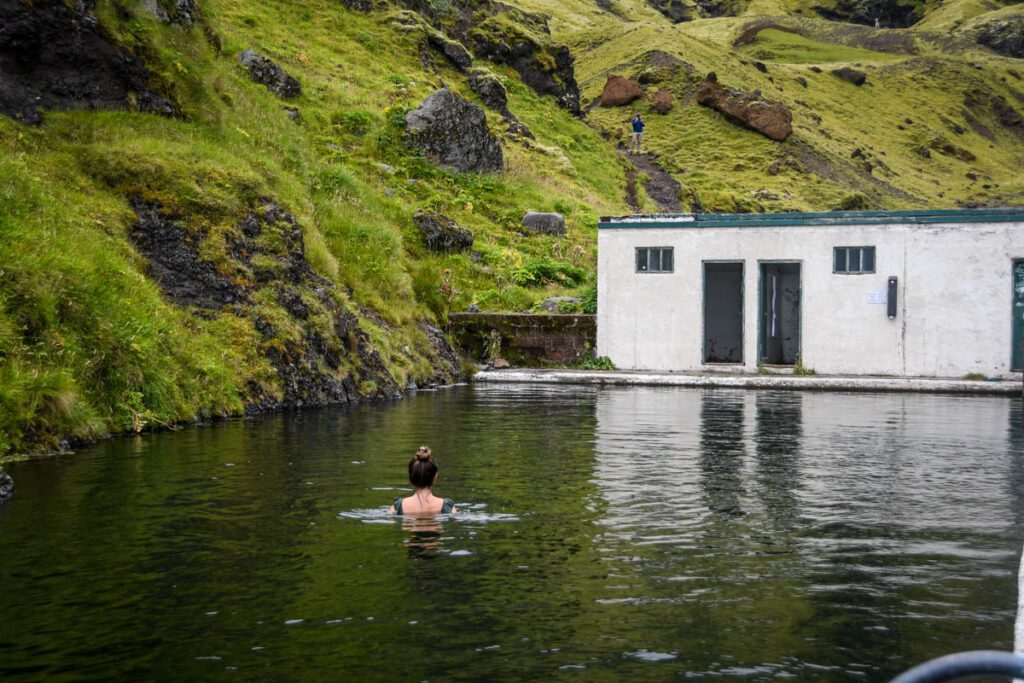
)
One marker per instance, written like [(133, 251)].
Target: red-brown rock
[(663, 101), (770, 118), (619, 91)]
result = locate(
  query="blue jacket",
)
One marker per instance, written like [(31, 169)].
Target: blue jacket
[(638, 124)]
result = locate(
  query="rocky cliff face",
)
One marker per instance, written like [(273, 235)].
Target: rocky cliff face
[(523, 41), (319, 350), (55, 55)]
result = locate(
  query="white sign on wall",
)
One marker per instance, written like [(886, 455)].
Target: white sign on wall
[(879, 297)]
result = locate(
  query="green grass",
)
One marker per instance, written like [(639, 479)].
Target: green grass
[(790, 48), (89, 345)]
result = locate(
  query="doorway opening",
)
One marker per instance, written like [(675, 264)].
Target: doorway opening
[(723, 312), (779, 337)]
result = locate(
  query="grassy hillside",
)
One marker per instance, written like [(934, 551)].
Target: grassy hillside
[(923, 131), (89, 344)]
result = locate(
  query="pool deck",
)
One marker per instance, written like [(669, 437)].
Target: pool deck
[(1011, 387)]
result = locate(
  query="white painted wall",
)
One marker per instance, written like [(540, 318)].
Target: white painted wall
[(954, 296)]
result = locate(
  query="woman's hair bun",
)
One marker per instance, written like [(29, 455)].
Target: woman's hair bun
[(424, 453)]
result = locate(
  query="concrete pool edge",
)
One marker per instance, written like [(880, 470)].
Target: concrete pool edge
[(792, 382)]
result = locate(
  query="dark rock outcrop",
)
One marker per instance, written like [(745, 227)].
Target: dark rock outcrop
[(988, 103), (489, 89), (944, 146), (1005, 36), (441, 233), (182, 13), (55, 55), (523, 42), (446, 362), (854, 76), (544, 223), (175, 265), (266, 71), (6, 486), (889, 13), (662, 101), (453, 50), (453, 133), (324, 357), (619, 91), (676, 11), (771, 119), (660, 66)]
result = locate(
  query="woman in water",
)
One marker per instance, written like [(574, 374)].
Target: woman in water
[(422, 502)]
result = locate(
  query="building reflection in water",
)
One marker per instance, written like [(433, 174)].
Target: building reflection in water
[(777, 440), (722, 451)]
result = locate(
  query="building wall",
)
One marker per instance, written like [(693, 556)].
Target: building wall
[(954, 296)]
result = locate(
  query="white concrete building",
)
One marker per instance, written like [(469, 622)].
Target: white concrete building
[(901, 293)]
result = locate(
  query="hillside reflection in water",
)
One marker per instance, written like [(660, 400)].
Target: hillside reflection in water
[(608, 534)]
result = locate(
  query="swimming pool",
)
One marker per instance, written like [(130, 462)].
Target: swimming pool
[(610, 534)]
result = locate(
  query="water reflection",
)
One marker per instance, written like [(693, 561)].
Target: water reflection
[(629, 534), (816, 518), (723, 447), (424, 535), (777, 436)]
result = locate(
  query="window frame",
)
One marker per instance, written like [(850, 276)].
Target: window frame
[(661, 260), (861, 250)]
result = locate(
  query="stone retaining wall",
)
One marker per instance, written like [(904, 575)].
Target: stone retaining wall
[(526, 338)]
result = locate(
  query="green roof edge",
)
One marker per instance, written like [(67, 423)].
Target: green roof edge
[(712, 220)]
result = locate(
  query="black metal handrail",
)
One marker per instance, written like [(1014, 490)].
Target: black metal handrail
[(962, 664)]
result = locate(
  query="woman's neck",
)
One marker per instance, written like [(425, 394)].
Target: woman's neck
[(424, 493)]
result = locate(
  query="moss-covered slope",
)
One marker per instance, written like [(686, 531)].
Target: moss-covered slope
[(307, 280)]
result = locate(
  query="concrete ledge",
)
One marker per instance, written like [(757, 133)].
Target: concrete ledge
[(799, 383)]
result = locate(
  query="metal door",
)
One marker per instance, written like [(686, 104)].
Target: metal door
[(1018, 315)]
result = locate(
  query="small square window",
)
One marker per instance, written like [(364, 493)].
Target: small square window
[(853, 260), (654, 260)]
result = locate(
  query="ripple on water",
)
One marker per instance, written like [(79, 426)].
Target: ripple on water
[(650, 656)]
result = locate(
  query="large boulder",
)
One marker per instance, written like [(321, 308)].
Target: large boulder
[(6, 486), (453, 133), (544, 223), (619, 91), (266, 71), (522, 40), (663, 101), (55, 55), (441, 233), (771, 119), (852, 75)]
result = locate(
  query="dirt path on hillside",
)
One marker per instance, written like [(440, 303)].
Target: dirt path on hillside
[(660, 186)]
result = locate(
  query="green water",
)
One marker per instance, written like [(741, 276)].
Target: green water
[(610, 534)]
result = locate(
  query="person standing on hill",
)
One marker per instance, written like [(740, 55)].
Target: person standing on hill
[(636, 139)]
